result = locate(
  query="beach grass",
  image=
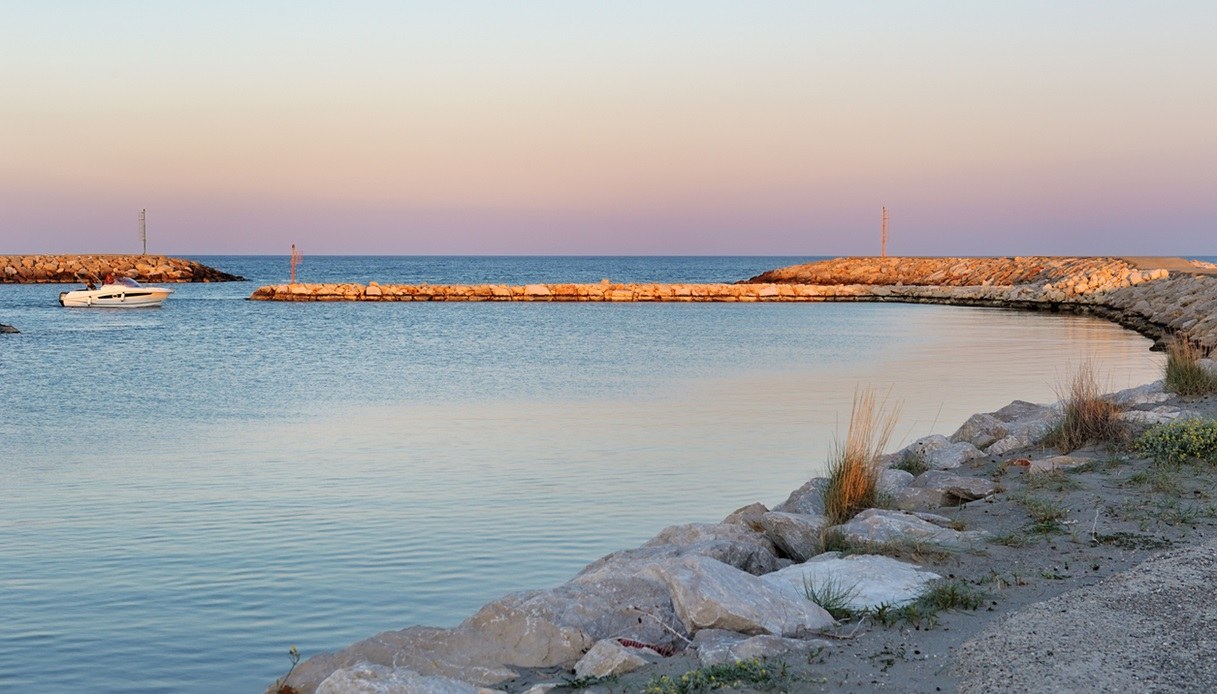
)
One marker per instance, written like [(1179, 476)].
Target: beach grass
[(1185, 375), (853, 470), (1089, 417)]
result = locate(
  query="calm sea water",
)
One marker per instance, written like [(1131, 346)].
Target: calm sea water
[(188, 491)]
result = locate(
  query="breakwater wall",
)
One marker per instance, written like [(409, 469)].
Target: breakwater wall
[(68, 269), (1151, 300)]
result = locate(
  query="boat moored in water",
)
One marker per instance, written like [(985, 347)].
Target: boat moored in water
[(121, 293)]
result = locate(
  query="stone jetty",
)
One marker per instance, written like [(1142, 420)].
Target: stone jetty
[(1138, 293), (69, 269)]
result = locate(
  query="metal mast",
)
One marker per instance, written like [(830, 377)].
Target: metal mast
[(143, 230), (883, 243)]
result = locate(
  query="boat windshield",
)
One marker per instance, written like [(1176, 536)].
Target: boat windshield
[(127, 282)]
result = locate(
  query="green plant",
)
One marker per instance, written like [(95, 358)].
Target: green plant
[(1179, 441), (1159, 478), (952, 595), (1052, 480), (1089, 417), (281, 686), (912, 462), (755, 674), (1185, 374), (832, 596), (1046, 516), (853, 472)]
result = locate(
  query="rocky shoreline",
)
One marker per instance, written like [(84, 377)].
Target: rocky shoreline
[(989, 509), (69, 269)]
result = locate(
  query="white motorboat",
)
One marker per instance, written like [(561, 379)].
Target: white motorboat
[(123, 292)]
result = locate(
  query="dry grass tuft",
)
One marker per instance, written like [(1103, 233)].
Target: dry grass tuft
[(1089, 416), (853, 471), (1185, 374)]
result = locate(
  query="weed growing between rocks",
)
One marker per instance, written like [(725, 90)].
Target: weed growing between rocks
[(912, 463), (1089, 417), (281, 686), (756, 673), (853, 471), (1185, 375), (831, 596)]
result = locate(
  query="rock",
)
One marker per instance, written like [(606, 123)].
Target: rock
[(748, 516), (608, 658), (797, 535), (808, 499), (1008, 444), (1148, 394), (1060, 462), (961, 487), (870, 579), (460, 654), (718, 646), (372, 289), (1158, 415), (709, 594), (367, 678), (8, 329), (919, 498), (892, 481), (980, 430), (939, 453), (883, 526)]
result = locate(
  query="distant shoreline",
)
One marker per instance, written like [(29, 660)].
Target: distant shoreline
[(74, 268)]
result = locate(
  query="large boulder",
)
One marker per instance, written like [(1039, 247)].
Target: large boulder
[(807, 499), (939, 452), (870, 580), (797, 535), (366, 678), (885, 526), (955, 487), (1024, 421), (731, 543), (709, 594)]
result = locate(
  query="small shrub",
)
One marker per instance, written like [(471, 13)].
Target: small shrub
[(1179, 441), (1046, 516), (755, 674), (1089, 417), (952, 595), (853, 472), (1185, 374)]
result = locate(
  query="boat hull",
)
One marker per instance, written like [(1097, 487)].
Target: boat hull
[(115, 296)]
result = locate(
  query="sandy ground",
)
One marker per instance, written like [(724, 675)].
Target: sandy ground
[(1117, 598)]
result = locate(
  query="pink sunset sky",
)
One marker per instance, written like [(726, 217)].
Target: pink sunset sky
[(569, 127)]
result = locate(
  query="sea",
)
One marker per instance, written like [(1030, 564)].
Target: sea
[(189, 491)]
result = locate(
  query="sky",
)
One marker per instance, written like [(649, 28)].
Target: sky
[(570, 127)]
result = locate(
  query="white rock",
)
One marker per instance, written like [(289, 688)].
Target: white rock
[(882, 525), (808, 499), (1148, 394), (608, 658), (892, 481), (871, 580), (709, 594), (717, 646), (366, 678)]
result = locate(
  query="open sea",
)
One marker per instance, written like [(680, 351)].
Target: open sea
[(186, 492)]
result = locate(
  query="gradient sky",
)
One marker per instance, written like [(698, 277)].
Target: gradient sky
[(701, 127)]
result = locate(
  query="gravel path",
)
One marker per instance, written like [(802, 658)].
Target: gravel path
[(1152, 628)]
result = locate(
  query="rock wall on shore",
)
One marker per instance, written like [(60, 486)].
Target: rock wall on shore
[(68, 269), (1150, 300)]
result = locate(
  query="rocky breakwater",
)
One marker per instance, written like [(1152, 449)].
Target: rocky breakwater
[(602, 291), (65, 269), (1141, 295)]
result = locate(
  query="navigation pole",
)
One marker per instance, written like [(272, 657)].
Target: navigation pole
[(883, 242), (143, 230)]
